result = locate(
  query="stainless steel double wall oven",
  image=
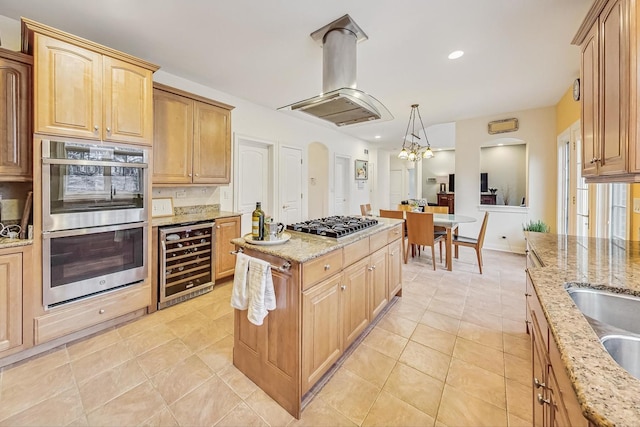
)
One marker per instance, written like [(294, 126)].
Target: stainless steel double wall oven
[(94, 218)]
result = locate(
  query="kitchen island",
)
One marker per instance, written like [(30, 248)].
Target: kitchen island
[(606, 393), (327, 292)]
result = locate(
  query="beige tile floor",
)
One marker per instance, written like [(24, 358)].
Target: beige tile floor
[(451, 352)]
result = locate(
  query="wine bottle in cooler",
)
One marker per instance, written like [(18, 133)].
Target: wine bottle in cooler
[(257, 223)]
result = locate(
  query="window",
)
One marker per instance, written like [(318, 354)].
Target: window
[(618, 211), (582, 197)]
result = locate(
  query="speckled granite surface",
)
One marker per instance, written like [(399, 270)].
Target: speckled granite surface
[(5, 242), (195, 214), (608, 394), (303, 247)]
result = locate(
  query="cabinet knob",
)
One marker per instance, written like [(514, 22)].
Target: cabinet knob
[(527, 295), (327, 267), (189, 175), (101, 311), (343, 287), (95, 128), (218, 227), (108, 130), (538, 384), (197, 174), (542, 400)]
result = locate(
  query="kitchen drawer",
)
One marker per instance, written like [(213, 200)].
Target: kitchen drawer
[(356, 251), (394, 233), (65, 320), (321, 268), (377, 241)]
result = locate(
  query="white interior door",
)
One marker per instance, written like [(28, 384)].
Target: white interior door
[(395, 187), (341, 185), (254, 182), (290, 178)]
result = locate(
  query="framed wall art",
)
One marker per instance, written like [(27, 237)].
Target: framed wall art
[(362, 170)]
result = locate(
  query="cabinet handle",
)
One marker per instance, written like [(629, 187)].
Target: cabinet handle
[(95, 128), (527, 295), (327, 267), (218, 227), (108, 129), (538, 384), (370, 268), (542, 400), (197, 175), (101, 311), (189, 175), (343, 287)]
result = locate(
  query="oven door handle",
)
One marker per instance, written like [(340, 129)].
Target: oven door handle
[(92, 230), (47, 161)]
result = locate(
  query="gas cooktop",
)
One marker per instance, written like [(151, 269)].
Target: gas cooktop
[(334, 226)]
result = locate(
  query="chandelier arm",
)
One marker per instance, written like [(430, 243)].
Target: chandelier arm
[(423, 129), (404, 141)]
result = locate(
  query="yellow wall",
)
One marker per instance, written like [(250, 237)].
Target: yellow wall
[(567, 111), (634, 222)]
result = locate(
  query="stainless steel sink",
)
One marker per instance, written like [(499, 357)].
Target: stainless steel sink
[(617, 310), (625, 350)]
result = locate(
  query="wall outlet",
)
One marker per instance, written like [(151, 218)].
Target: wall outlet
[(181, 194)]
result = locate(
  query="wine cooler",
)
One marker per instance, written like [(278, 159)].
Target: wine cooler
[(186, 262)]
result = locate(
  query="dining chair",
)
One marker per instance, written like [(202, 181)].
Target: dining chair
[(437, 209), (365, 209), (420, 232), (384, 213), (475, 243), (406, 208)]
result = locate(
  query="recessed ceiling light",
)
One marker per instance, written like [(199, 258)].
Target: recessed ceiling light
[(455, 54), (377, 137)]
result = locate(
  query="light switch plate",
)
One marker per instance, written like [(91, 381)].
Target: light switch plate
[(636, 205)]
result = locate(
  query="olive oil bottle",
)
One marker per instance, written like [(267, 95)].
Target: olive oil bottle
[(257, 223)]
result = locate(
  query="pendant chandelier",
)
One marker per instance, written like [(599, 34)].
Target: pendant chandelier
[(411, 148)]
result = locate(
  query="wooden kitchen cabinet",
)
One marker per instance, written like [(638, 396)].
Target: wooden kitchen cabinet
[(15, 116), (356, 314), (192, 138), (395, 268), (448, 200), (86, 90), (378, 281), (10, 301), (554, 401), (226, 229), (609, 91)]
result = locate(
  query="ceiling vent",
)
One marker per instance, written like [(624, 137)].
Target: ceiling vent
[(341, 103)]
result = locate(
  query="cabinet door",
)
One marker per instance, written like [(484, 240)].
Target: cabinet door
[(321, 332), (378, 291), (211, 144), (355, 303), (172, 138), (10, 301), (539, 364), (589, 84), (395, 268), (128, 102), (15, 123), (226, 229), (614, 87), (68, 89)]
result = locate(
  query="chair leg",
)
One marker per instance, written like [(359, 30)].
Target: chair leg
[(440, 244), (433, 255), (479, 255), (406, 252)]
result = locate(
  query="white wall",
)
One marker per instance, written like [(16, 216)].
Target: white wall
[(537, 129)]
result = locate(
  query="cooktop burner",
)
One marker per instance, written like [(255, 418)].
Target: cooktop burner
[(334, 226)]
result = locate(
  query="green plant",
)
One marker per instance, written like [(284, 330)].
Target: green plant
[(538, 226)]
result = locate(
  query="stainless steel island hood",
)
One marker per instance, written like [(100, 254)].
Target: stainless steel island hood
[(341, 103)]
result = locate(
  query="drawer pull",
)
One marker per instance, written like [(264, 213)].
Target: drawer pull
[(343, 287), (370, 268), (327, 267), (538, 384), (101, 311), (542, 400)]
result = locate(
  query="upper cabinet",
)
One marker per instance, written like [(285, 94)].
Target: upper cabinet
[(609, 91), (15, 116), (192, 138), (85, 90)]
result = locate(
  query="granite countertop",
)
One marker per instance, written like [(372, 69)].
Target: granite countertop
[(6, 242), (191, 216), (303, 247), (607, 393)]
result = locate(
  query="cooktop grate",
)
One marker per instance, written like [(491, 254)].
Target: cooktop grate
[(334, 226)]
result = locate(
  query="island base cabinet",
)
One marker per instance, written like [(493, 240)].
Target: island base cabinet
[(355, 301), (321, 329), (10, 301), (269, 354), (395, 269), (379, 295)]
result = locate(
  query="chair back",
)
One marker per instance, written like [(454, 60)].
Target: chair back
[(420, 228), (365, 209), (406, 208), (391, 214), (437, 209), (483, 229)]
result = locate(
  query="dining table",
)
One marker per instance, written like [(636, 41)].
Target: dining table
[(450, 222)]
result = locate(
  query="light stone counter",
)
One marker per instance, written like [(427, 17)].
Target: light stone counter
[(193, 216), (6, 242), (608, 394), (303, 247)]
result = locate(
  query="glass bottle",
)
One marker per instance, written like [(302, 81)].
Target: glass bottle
[(257, 223)]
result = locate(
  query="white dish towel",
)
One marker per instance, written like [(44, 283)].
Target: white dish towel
[(253, 288), (240, 292)]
